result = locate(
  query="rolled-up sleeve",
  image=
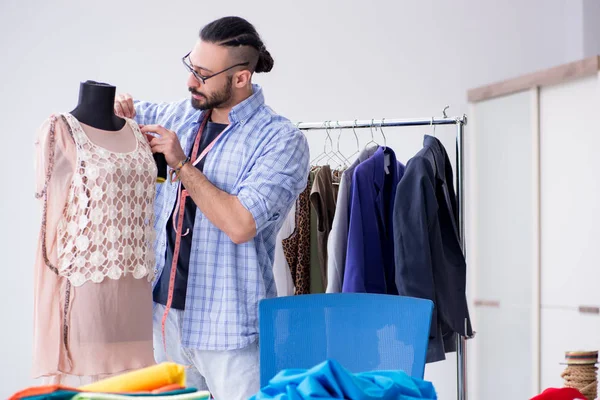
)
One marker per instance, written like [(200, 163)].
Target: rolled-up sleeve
[(148, 113), (276, 179)]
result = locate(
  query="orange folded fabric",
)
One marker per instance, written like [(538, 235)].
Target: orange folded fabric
[(168, 388), (40, 390)]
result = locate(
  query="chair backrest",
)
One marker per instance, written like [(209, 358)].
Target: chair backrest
[(363, 332)]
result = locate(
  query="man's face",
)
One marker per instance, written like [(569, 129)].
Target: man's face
[(208, 59)]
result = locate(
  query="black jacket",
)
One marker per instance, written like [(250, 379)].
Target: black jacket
[(428, 257)]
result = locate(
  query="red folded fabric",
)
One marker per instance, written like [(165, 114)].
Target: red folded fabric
[(559, 394)]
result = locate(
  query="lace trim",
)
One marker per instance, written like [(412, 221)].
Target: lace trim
[(44, 193)]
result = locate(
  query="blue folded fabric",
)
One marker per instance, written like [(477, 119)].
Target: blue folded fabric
[(329, 380)]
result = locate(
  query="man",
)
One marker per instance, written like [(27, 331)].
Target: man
[(220, 240)]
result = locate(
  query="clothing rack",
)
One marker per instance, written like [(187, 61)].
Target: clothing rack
[(460, 123)]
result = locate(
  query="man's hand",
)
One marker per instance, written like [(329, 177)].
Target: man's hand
[(166, 143), (124, 106)]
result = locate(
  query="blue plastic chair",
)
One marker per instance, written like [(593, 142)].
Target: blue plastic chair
[(363, 332)]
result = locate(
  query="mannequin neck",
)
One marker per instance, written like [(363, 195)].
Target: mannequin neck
[(96, 106)]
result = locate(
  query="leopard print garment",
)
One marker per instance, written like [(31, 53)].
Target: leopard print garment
[(296, 248)]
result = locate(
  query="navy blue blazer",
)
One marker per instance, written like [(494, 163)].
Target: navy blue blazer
[(370, 252), (429, 260)]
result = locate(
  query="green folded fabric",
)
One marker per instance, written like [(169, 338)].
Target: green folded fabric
[(198, 395)]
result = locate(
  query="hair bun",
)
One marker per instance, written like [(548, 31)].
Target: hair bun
[(265, 61)]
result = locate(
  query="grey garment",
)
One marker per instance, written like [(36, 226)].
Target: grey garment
[(338, 237), (316, 282)]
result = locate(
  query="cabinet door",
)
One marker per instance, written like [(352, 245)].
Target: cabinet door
[(502, 221), (565, 330), (570, 193)]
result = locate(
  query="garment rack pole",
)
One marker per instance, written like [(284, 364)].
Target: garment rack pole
[(460, 122)]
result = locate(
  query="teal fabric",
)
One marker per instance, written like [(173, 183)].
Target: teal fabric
[(58, 395), (329, 380)]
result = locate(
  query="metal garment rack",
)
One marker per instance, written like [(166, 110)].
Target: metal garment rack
[(460, 123)]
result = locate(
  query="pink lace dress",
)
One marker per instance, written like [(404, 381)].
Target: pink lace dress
[(95, 262)]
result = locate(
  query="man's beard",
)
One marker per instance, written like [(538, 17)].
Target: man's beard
[(214, 100)]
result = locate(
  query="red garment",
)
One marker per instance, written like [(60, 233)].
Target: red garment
[(559, 394)]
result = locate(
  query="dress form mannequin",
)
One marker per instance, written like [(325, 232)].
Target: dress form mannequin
[(96, 109), (96, 106)]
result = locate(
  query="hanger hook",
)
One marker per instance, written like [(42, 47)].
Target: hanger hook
[(355, 135), (371, 128), (339, 135), (433, 126), (444, 111), (383, 134)]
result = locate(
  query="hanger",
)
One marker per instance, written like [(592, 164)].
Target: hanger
[(357, 142), (333, 154), (346, 159), (386, 156), (324, 153), (372, 139), (383, 134), (445, 116), (329, 155)]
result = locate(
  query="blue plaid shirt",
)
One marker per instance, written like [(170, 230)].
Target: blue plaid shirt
[(263, 159)]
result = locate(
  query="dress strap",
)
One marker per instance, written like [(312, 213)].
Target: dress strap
[(135, 128)]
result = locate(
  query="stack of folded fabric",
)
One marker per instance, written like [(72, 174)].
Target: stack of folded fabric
[(164, 381), (329, 380)]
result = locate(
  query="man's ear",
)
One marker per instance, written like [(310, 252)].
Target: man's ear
[(242, 78)]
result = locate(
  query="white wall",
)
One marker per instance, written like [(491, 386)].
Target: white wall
[(333, 60)]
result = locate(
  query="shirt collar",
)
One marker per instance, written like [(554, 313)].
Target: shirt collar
[(243, 111)]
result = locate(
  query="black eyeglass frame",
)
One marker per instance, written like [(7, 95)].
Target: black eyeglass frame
[(202, 78)]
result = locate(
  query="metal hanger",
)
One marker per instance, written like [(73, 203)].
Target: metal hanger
[(383, 134), (328, 155), (334, 155), (322, 155), (372, 138), (357, 141), (445, 116), (346, 159)]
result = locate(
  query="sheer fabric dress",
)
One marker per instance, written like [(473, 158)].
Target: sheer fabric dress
[(94, 264)]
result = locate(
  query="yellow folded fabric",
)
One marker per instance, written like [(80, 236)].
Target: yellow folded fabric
[(145, 379)]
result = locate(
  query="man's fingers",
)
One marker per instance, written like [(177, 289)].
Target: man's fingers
[(119, 110), (149, 138), (158, 148), (155, 129), (124, 106), (128, 108)]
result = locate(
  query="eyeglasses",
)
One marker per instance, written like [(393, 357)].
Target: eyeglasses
[(201, 78)]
